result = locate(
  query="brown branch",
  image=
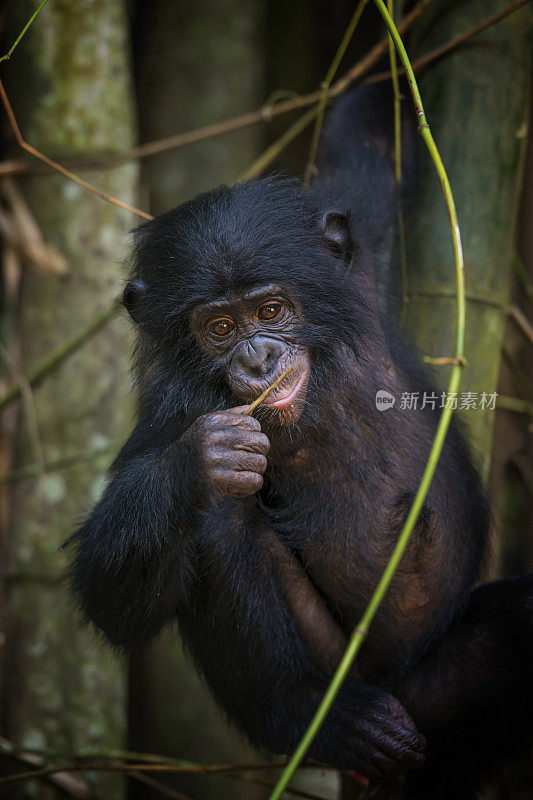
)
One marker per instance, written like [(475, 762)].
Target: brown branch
[(273, 151), (58, 167), (264, 114), (522, 322), (454, 43), (445, 361), (514, 404), (25, 390), (357, 71), (324, 89), (32, 470), (67, 783), (20, 230), (173, 794), (185, 769)]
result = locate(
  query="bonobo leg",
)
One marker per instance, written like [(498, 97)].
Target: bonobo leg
[(240, 629), (472, 696)]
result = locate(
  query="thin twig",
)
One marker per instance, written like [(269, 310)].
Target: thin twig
[(264, 114), (133, 756), (58, 356), (67, 784), (397, 102), (514, 404), (446, 361), (184, 769), (257, 402), (397, 105), (25, 390), (523, 277), (19, 228), (58, 167), (356, 72), (332, 71), (273, 151), (520, 319), (23, 31), (32, 470)]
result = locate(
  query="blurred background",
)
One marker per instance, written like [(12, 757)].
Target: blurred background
[(99, 86)]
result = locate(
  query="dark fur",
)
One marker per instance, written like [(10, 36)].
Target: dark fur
[(337, 491)]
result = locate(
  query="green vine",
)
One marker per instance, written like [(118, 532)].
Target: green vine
[(360, 632)]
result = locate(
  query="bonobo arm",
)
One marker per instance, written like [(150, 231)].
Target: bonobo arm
[(134, 555), (321, 635)]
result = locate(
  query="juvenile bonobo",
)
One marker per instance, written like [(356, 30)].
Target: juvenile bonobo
[(265, 537)]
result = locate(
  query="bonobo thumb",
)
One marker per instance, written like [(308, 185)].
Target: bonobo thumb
[(239, 409)]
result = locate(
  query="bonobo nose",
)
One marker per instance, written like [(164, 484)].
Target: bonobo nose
[(258, 357)]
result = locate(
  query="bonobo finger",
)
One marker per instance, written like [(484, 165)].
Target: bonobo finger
[(253, 462), (229, 417), (242, 484), (250, 441), (400, 713), (407, 753), (228, 460)]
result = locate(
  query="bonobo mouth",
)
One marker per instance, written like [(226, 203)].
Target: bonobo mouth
[(287, 399), (282, 397)]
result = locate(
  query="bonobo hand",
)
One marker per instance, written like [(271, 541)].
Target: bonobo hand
[(232, 450)]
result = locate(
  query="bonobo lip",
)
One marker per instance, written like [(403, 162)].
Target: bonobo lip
[(286, 399)]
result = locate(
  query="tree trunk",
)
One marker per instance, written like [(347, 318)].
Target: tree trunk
[(71, 91), (476, 101)]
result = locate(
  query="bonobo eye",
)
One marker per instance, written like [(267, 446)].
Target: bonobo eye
[(269, 310), (221, 327)]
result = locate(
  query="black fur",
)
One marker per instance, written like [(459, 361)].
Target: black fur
[(337, 490)]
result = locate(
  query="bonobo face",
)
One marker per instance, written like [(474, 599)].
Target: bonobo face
[(255, 335)]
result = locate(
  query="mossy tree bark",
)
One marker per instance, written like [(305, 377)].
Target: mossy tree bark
[(476, 101), (70, 87)]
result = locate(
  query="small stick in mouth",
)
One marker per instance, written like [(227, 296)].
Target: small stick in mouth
[(265, 394)]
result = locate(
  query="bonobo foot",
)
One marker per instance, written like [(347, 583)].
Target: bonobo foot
[(367, 730)]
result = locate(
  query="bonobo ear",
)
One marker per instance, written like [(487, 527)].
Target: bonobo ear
[(336, 230), (132, 296)]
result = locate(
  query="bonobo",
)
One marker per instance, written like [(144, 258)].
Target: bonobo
[(266, 536)]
